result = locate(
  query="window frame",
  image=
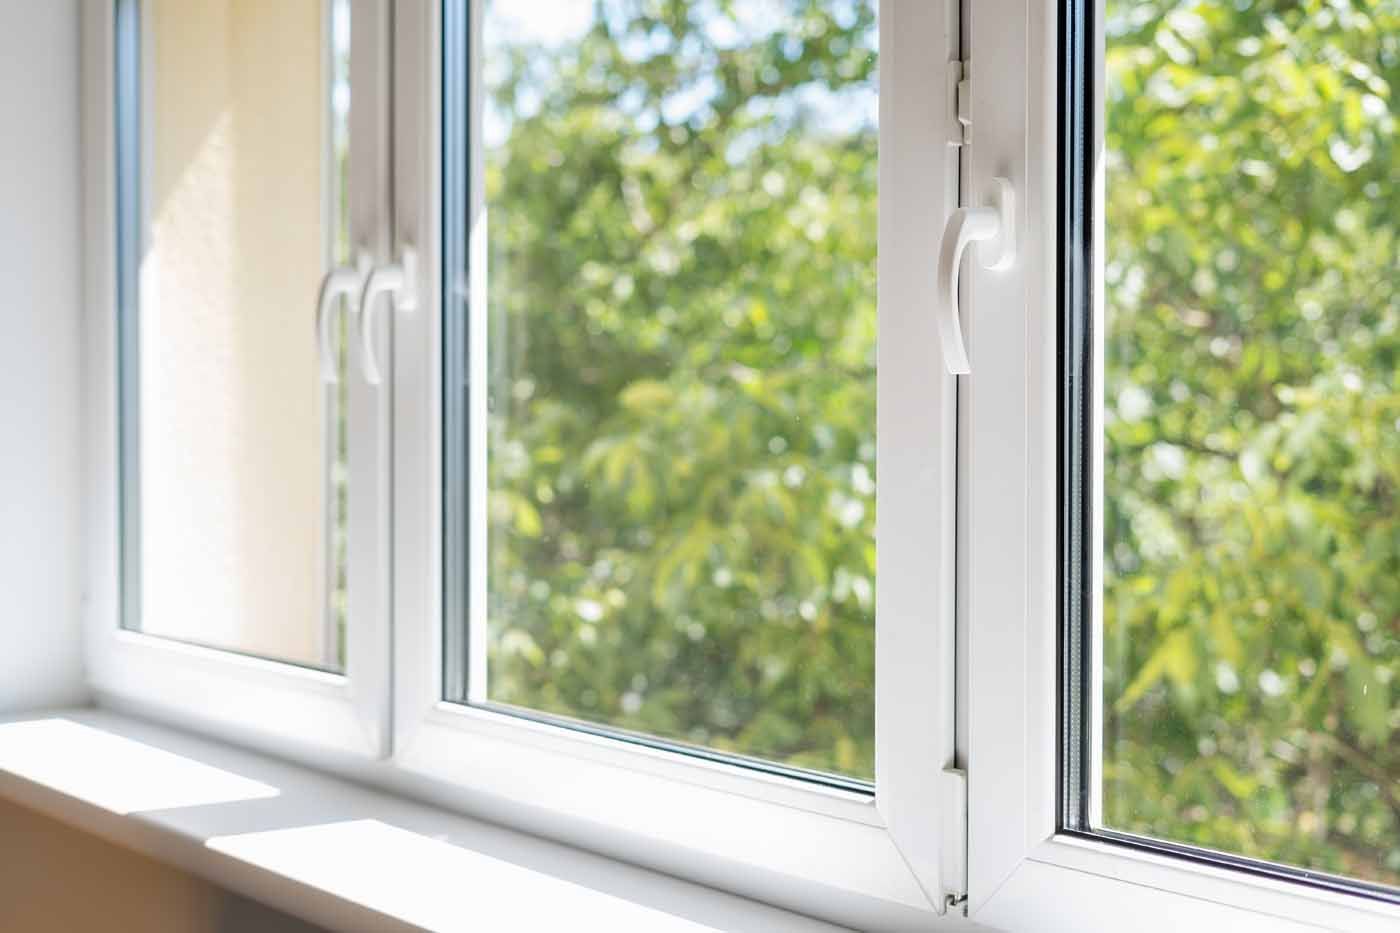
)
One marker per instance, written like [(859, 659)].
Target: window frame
[(222, 692), (888, 860), (1021, 863), (842, 855), (885, 861)]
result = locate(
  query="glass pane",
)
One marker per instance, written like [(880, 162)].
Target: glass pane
[(1251, 602), (235, 469), (681, 206)]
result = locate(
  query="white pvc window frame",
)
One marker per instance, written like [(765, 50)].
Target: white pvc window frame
[(891, 860), (1023, 873), (888, 860), (223, 692)]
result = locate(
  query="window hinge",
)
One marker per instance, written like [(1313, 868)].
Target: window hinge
[(954, 862), (959, 105)]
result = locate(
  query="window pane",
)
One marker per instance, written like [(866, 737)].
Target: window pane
[(680, 203), (1251, 602), (233, 154)]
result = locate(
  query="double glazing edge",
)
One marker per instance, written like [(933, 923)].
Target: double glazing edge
[(1258, 868), (127, 154), (456, 387), (1075, 422)]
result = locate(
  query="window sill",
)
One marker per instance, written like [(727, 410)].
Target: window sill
[(334, 853)]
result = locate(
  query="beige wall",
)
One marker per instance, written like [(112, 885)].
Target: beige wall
[(55, 879), (231, 403)]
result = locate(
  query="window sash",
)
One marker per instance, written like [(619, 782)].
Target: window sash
[(653, 804), (1081, 470), (1025, 859), (212, 689)]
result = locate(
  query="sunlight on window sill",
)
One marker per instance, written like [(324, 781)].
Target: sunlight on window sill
[(420, 880), (115, 773)]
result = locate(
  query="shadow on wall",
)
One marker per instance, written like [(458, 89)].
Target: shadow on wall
[(55, 879)]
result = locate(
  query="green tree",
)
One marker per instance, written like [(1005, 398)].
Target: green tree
[(1252, 580), (682, 337)]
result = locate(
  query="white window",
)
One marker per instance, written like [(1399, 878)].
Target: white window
[(497, 400), (241, 550), (1159, 668)]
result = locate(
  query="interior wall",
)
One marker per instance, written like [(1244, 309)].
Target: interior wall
[(55, 879), (40, 268)]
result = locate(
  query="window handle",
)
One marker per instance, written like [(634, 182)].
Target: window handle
[(996, 227), (341, 280), (400, 281)]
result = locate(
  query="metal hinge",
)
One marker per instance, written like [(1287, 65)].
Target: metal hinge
[(959, 105), (953, 865)]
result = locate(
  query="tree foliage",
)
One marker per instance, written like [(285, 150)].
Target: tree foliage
[(1252, 578), (682, 290)]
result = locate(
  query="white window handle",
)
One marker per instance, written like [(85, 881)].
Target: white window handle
[(400, 280), (341, 280), (995, 226)]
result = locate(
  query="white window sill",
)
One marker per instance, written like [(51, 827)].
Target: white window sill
[(334, 853)]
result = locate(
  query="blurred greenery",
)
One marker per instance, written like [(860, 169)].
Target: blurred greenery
[(682, 201), (681, 205), (1252, 537)]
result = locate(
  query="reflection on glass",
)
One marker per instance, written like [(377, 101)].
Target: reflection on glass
[(241, 450), (1252, 419), (681, 370), (337, 450)]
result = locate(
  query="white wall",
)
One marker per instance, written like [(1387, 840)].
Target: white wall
[(40, 296)]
